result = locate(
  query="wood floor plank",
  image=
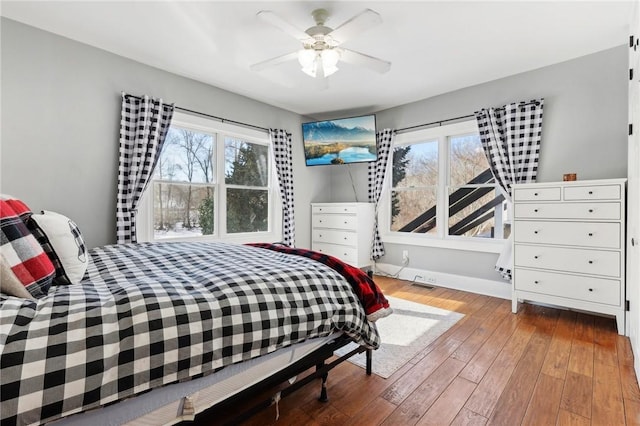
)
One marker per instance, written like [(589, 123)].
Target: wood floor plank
[(468, 418), (486, 395), (373, 414), (485, 356), (608, 404), (630, 390), (408, 383), (576, 396), (514, 399), (414, 407), (604, 341), (471, 345), (581, 358), (545, 402), (449, 404), (632, 412), (557, 359), (567, 418)]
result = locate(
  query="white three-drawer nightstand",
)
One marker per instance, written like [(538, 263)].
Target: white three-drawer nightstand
[(569, 245), (343, 230)]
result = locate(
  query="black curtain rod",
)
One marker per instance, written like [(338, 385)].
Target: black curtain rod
[(222, 120), (439, 122)]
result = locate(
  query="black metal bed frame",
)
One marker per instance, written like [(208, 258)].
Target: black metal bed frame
[(317, 358)]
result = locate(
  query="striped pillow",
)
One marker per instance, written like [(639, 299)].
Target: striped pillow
[(21, 251)]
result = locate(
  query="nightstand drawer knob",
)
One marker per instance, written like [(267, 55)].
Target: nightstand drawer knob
[(590, 210), (536, 282), (591, 262), (535, 210), (535, 232), (535, 257), (591, 234), (590, 192), (535, 194), (590, 289)]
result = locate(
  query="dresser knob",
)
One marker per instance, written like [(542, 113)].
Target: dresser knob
[(535, 194), (345, 238), (590, 289), (535, 210), (320, 235), (591, 262), (536, 282), (590, 192), (535, 232), (590, 210), (591, 234), (535, 257)]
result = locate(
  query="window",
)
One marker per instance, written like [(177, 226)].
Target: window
[(212, 181), (442, 191)]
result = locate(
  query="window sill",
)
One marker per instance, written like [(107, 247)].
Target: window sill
[(233, 239), (488, 246)]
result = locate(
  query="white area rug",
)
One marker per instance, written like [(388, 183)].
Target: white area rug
[(411, 328)]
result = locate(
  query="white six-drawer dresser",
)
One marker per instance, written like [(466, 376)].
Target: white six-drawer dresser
[(569, 245)]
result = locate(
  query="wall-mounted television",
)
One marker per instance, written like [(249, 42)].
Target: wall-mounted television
[(341, 141)]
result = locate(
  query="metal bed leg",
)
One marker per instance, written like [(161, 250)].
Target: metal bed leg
[(368, 362), (323, 392)]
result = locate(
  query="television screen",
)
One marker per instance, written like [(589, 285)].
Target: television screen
[(341, 141)]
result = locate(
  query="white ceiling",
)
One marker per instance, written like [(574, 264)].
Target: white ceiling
[(434, 46)]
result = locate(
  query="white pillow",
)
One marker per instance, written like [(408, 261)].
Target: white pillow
[(62, 241)]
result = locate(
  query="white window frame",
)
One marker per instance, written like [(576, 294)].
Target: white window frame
[(220, 130), (441, 239)]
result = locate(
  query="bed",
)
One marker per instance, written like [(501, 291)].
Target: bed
[(162, 325)]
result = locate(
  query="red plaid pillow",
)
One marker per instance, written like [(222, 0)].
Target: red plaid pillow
[(21, 251)]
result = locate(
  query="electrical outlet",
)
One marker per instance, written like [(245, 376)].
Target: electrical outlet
[(405, 257)]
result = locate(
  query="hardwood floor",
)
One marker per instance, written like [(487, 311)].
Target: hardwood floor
[(542, 366)]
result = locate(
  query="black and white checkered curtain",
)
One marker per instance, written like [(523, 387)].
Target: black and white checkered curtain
[(511, 137), (377, 172), (281, 141), (144, 124)]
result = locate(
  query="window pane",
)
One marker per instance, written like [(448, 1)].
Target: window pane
[(247, 210), (415, 165), (186, 157), (475, 212), (245, 163), (181, 210), (414, 210), (468, 163)]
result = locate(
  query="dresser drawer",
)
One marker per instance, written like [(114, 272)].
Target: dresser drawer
[(593, 192), (335, 237), (591, 289), (344, 253), (593, 262), (606, 211), (335, 221), (587, 234), (536, 194), (337, 209)]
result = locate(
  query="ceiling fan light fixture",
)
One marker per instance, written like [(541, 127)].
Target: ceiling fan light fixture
[(307, 58), (330, 59)]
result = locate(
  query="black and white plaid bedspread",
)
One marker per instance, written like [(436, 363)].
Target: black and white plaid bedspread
[(150, 314)]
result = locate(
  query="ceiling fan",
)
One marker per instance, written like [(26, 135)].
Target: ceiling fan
[(321, 45)]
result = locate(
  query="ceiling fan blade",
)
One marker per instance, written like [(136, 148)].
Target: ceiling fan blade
[(274, 61), (357, 58), (359, 23), (277, 21)]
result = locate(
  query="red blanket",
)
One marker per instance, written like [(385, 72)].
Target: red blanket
[(375, 304)]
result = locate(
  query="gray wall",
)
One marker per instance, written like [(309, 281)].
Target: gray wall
[(61, 118), (584, 131)]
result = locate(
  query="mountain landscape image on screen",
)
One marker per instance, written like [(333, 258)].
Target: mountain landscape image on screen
[(343, 141)]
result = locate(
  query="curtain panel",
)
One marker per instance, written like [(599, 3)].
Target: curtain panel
[(377, 172), (281, 141), (144, 124), (510, 137)]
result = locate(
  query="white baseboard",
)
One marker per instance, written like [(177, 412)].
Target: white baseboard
[(501, 289)]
